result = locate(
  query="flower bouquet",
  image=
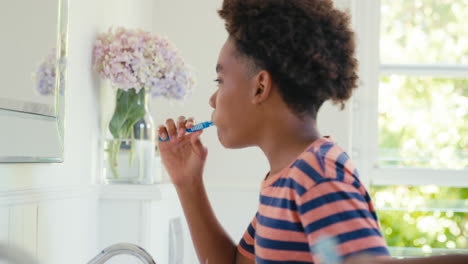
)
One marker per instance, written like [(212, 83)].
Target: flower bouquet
[(138, 65)]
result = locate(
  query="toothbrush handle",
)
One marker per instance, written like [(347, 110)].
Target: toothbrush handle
[(200, 126), (193, 129)]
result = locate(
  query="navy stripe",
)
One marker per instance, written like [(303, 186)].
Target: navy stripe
[(281, 245), (291, 183), (251, 231), (374, 215), (278, 202), (357, 234), (279, 224), (322, 152), (308, 170), (367, 196), (259, 260), (336, 218), (377, 251), (340, 162), (356, 182), (329, 198), (247, 247), (356, 173)]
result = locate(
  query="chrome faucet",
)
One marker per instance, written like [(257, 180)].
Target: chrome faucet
[(15, 255), (123, 248)]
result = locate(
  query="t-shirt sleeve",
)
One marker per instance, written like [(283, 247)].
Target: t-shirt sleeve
[(336, 208), (247, 244)]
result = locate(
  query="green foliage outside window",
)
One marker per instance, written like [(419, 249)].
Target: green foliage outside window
[(423, 123), (408, 217), (424, 31)]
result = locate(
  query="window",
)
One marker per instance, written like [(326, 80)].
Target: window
[(410, 120), (423, 220)]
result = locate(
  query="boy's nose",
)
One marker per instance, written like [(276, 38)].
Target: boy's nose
[(212, 101)]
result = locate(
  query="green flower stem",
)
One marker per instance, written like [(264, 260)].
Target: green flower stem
[(129, 109), (132, 147), (115, 147)]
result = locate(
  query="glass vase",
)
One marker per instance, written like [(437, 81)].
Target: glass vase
[(130, 147)]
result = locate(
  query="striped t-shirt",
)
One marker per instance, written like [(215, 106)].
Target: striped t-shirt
[(318, 195)]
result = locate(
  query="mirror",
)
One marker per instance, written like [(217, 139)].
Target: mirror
[(32, 68)]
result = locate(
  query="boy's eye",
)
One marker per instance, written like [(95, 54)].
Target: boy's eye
[(218, 81)]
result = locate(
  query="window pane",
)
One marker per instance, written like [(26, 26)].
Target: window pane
[(424, 31), (423, 122), (410, 220)]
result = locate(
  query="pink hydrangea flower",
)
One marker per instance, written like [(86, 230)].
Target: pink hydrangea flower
[(141, 60)]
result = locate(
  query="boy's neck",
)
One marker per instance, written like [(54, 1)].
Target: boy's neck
[(286, 139)]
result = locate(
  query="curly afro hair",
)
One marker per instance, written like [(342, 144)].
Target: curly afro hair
[(306, 45)]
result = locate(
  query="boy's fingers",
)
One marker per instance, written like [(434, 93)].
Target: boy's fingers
[(162, 133), (171, 129), (197, 144), (181, 126), (190, 123), (175, 129)]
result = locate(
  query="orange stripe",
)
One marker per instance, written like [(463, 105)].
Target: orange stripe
[(315, 192), (303, 179), (278, 213), (330, 159), (333, 152), (371, 207), (331, 209), (283, 255), (330, 166), (361, 244), (245, 253), (283, 235), (254, 222), (348, 176), (330, 163), (341, 228), (248, 239), (311, 158), (324, 189), (349, 166), (279, 192)]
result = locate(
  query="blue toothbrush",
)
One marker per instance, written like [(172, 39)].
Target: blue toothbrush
[(193, 129)]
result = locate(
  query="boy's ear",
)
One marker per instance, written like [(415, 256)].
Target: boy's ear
[(262, 88)]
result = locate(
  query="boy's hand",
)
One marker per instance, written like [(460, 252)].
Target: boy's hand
[(183, 155)]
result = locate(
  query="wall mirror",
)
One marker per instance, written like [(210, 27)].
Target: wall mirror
[(32, 69)]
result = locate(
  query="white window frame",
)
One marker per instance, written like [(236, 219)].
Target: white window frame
[(366, 22)]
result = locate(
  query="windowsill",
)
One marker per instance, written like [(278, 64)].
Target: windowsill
[(408, 252), (441, 205)]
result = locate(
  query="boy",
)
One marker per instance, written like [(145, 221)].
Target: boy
[(282, 60)]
